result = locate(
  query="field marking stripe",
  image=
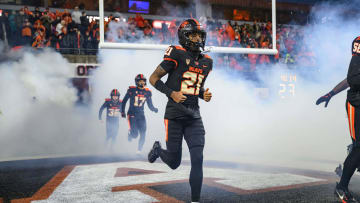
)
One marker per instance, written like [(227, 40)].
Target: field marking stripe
[(45, 191)]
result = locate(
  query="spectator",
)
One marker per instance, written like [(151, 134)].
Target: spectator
[(88, 43), (26, 33), (84, 21), (20, 19), (46, 22), (147, 29), (4, 27), (79, 43), (73, 32), (60, 28), (39, 41), (75, 15), (37, 11), (139, 21)]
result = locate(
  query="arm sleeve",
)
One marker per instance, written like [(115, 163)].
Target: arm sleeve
[(339, 87), (125, 99), (149, 102), (102, 109), (201, 93)]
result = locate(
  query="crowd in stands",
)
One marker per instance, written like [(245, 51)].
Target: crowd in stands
[(73, 33), (70, 33)]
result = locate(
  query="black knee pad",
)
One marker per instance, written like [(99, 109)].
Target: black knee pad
[(176, 160)]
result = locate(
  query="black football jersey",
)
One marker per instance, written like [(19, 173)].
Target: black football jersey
[(137, 97), (113, 109), (353, 76), (188, 75)]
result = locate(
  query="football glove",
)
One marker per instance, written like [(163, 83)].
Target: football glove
[(326, 98), (123, 114), (155, 110)]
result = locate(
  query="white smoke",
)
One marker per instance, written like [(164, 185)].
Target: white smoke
[(239, 126), (118, 71), (243, 128), (38, 113)]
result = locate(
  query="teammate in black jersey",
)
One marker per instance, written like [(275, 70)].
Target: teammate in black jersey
[(113, 106), (138, 95), (353, 110), (187, 70)]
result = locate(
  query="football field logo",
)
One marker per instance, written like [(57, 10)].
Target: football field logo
[(135, 182)]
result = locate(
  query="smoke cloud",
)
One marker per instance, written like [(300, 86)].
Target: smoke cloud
[(38, 117), (240, 126)]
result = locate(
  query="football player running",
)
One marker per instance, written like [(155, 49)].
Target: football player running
[(138, 95), (187, 68), (353, 111), (113, 106)]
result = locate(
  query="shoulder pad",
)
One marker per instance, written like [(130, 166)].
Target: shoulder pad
[(147, 89), (179, 48), (131, 87), (107, 99)]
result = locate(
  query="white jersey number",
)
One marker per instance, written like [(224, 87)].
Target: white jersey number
[(192, 83)]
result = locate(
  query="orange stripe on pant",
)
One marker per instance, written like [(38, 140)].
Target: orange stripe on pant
[(166, 121), (351, 117), (129, 122)]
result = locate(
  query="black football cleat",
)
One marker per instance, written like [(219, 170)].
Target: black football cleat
[(154, 152), (344, 194)]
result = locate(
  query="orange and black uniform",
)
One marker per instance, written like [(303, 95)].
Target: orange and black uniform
[(135, 114), (112, 117), (353, 110), (353, 95), (187, 72)]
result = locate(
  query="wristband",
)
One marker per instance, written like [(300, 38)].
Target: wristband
[(159, 85), (201, 93)]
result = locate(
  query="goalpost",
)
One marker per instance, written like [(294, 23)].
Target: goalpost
[(213, 49)]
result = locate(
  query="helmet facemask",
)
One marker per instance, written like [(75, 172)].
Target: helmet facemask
[(115, 95), (187, 28), (140, 84), (196, 46)]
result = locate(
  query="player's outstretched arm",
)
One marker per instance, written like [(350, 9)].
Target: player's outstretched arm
[(338, 88), (155, 80), (151, 105), (123, 104), (101, 110)]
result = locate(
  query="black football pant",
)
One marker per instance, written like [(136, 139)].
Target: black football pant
[(137, 125), (192, 130), (112, 129), (353, 159)]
